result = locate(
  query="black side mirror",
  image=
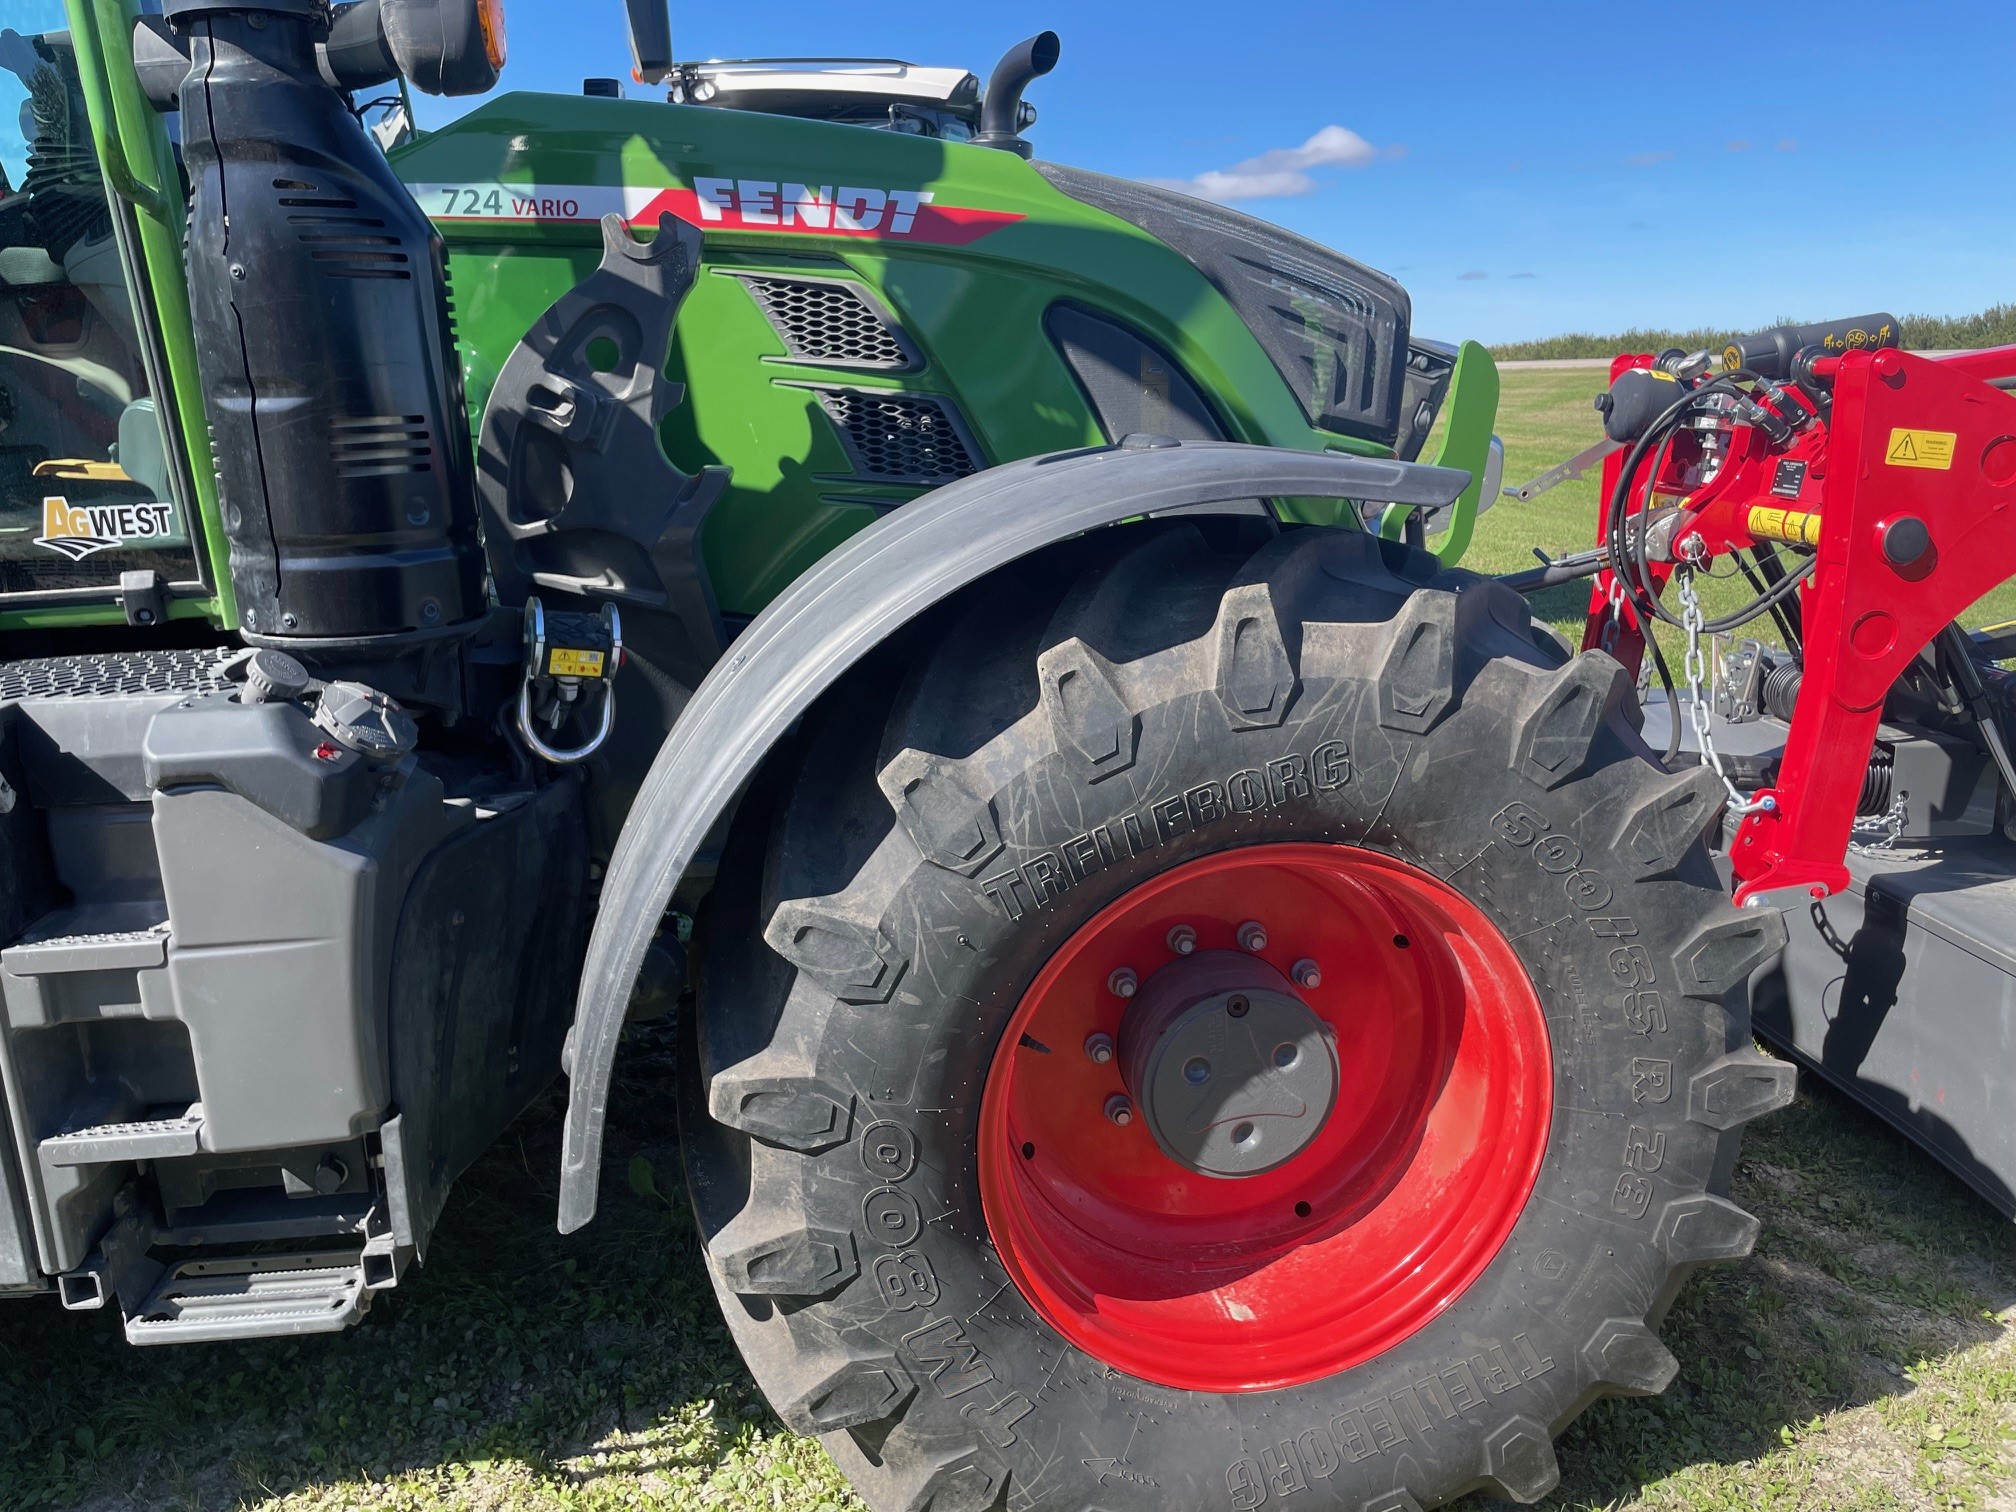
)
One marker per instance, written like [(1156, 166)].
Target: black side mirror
[(650, 39)]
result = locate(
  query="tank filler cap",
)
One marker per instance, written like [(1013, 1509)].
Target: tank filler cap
[(366, 721), (273, 677)]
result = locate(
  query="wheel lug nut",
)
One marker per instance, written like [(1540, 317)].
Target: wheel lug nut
[(1306, 973), (1099, 1048), (1253, 936), (1182, 939), (1123, 982), (1119, 1110)]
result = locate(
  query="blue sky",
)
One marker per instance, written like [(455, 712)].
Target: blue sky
[(1578, 156), (1526, 169)]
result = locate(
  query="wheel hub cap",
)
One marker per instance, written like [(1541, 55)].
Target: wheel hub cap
[(1232, 1071)]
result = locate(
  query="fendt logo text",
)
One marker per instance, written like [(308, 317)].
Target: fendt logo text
[(778, 205), (768, 203)]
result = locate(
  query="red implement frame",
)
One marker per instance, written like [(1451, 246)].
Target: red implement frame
[(1910, 439), (1613, 622)]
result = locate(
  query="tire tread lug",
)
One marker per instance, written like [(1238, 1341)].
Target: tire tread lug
[(1087, 712)]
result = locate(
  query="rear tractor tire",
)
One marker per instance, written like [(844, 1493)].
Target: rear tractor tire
[(1232, 1027)]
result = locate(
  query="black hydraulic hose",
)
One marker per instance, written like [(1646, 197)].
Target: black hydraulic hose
[(1629, 555), (1618, 509), (1755, 580), (1672, 700), (1766, 602), (1957, 652), (1773, 570)]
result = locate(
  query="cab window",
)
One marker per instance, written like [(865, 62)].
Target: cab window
[(86, 487)]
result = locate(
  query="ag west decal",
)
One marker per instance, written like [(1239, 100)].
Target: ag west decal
[(77, 530), (777, 206)]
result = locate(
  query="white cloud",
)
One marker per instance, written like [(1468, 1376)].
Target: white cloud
[(1281, 173)]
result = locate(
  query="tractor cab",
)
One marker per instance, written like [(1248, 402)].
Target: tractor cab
[(90, 497)]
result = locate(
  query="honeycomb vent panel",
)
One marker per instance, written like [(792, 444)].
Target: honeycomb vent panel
[(907, 438), (830, 324)]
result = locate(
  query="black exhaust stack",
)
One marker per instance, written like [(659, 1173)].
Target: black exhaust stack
[(1001, 111), (329, 368)]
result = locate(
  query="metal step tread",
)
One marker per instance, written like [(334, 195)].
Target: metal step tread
[(199, 1301), (116, 674), (110, 937), (142, 1139)]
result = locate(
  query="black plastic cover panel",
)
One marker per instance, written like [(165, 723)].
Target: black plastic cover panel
[(1134, 388), (1335, 329), (1901, 992)]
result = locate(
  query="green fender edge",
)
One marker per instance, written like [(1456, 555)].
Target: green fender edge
[(1470, 412)]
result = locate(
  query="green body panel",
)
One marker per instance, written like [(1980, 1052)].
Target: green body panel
[(517, 187), (1468, 413), (974, 311), (138, 160)]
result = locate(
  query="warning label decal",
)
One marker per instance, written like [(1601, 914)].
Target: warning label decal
[(1921, 448)]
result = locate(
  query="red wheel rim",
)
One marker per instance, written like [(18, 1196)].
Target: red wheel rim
[(1432, 1149)]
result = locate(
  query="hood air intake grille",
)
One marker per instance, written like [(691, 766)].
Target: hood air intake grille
[(900, 438), (830, 323)]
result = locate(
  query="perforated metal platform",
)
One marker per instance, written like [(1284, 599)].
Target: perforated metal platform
[(121, 674)]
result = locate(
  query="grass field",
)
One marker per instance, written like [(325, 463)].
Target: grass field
[(1862, 1359)]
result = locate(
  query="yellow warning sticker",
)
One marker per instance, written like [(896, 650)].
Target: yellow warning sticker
[(1785, 525), (1921, 448), (561, 662)]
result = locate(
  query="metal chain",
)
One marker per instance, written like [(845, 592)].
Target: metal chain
[(1884, 830), (1613, 626), (1697, 703)]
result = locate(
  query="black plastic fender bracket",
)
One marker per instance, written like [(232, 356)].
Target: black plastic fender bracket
[(846, 605), (569, 462)]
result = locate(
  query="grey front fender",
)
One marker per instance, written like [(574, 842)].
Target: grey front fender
[(855, 598)]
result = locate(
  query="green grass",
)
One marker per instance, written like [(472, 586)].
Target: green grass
[(1864, 1357)]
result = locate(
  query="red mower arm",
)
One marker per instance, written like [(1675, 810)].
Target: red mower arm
[(1906, 492), (1918, 520)]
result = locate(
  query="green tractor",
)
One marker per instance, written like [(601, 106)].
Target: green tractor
[(1191, 999)]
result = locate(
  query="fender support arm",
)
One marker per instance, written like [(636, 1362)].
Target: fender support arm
[(836, 613)]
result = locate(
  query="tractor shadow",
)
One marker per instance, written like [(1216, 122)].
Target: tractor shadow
[(517, 1368)]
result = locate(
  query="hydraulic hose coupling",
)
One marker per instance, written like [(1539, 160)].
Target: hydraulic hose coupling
[(571, 661)]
